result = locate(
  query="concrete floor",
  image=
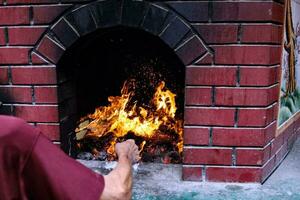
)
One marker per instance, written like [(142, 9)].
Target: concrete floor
[(162, 182)]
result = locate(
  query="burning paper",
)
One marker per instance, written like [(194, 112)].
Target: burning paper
[(154, 127)]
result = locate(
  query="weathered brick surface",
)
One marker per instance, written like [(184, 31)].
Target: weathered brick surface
[(252, 156), (33, 75), (198, 96), (250, 137), (218, 33), (15, 15), (15, 94), (37, 113), (207, 75), (247, 55), (257, 117), (259, 76), (3, 75), (243, 11), (192, 173), (50, 49), (192, 11), (24, 35), (2, 36), (196, 136), (261, 33), (246, 96), (14, 55), (209, 116), (215, 156), (233, 174), (45, 94), (46, 14)]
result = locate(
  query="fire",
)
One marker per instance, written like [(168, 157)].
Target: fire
[(122, 116)]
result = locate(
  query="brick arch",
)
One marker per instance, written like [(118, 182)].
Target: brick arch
[(154, 18)]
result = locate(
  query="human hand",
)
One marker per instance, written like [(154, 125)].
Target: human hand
[(128, 149)]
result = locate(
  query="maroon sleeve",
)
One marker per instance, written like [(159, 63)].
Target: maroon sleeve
[(16, 141), (34, 168)]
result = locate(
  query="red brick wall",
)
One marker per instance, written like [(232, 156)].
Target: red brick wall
[(231, 93), (232, 100)]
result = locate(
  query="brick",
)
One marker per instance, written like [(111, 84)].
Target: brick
[(209, 116), (190, 50), (268, 168), (49, 130), (2, 37), (210, 75), (192, 11), (16, 94), (45, 94), (217, 33), (196, 136), (207, 59), (14, 15), (191, 173), (259, 76), (261, 33), (257, 117), (270, 132), (82, 20), (246, 55), (46, 14), (174, 32), (233, 174), (14, 55), (281, 154), (246, 96), (276, 144), (65, 33), (50, 49), (243, 11), (37, 59), (198, 96), (238, 137), (24, 35), (4, 75), (154, 19), (33, 75), (252, 156), (36, 113), (212, 156)]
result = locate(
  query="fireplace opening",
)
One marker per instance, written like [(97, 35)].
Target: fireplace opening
[(121, 83)]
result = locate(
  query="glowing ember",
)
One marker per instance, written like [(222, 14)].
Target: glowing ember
[(154, 127)]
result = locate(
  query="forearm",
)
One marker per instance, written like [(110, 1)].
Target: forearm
[(118, 183), (124, 171)]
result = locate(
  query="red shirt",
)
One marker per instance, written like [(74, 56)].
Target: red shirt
[(31, 167)]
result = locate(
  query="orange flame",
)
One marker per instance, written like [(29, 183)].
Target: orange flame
[(121, 117)]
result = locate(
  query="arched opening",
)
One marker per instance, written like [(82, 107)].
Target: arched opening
[(97, 65)]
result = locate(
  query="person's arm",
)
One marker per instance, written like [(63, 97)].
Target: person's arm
[(118, 183)]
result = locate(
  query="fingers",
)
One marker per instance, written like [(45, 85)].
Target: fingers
[(129, 149)]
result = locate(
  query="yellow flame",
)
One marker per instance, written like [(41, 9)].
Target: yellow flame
[(118, 118)]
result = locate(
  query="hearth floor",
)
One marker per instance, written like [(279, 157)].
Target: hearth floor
[(162, 182)]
